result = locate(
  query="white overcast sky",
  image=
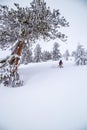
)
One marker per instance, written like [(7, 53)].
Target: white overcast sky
[(75, 11)]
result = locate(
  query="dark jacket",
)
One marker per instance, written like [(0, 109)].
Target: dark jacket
[(60, 63)]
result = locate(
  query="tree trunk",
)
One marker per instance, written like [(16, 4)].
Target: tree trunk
[(16, 55), (10, 76)]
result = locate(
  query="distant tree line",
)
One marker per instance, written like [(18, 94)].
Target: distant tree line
[(80, 55), (38, 55)]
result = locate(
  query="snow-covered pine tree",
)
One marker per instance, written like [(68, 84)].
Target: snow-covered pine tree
[(37, 53), (56, 55), (26, 57), (80, 55), (66, 54), (46, 55), (26, 24), (73, 53)]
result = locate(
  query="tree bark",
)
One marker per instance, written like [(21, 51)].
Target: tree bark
[(9, 75), (16, 55)]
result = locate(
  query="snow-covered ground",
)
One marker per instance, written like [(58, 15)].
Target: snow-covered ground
[(51, 98)]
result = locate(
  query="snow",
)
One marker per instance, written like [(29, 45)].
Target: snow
[(51, 98), (4, 53)]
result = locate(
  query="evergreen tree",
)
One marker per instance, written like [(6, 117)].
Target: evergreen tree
[(66, 54), (80, 55), (46, 55), (37, 53), (73, 53), (56, 55), (26, 24), (26, 57)]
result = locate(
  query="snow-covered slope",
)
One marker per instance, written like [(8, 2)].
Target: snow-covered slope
[(51, 98)]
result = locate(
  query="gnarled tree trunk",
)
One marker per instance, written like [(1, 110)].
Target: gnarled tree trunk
[(16, 55), (10, 76)]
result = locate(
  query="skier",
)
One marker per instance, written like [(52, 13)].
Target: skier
[(60, 64)]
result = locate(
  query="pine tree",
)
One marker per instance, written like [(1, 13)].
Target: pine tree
[(56, 52), (73, 53), (26, 56), (46, 55), (80, 55), (66, 54), (27, 24), (37, 53)]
